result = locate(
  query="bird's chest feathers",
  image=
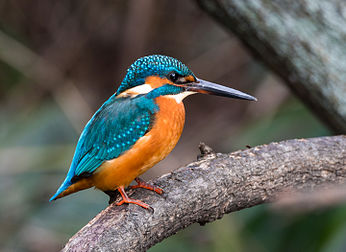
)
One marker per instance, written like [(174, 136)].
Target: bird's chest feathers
[(169, 121), (165, 132), (150, 149)]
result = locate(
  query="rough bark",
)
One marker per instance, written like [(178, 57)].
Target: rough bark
[(216, 184), (303, 41)]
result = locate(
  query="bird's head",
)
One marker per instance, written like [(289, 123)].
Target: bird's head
[(161, 75)]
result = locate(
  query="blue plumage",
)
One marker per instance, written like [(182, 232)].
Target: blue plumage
[(165, 90), (159, 65), (109, 133)]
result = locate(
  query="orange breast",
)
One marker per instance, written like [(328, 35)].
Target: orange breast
[(148, 150)]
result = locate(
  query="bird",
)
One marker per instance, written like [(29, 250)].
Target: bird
[(137, 127)]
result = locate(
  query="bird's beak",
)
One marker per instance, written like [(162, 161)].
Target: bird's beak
[(207, 87)]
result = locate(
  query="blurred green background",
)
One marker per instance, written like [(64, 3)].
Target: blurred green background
[(60, 60)]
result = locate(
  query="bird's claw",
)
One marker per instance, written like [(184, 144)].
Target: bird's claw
[(133, 201), (142, 184)]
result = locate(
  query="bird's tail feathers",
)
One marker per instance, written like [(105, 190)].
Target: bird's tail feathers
[(67, 187), (62, 188)]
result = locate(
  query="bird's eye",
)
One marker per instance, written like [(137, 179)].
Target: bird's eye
[(173, 76)]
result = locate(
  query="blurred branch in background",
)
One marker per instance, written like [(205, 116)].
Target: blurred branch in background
[(48, 77), (304, 43), (205, 190), (294, 202)]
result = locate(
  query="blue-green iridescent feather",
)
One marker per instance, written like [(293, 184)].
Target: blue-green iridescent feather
[(114, 128), (158, 65)]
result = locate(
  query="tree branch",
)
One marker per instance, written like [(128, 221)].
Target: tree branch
[(217, 184), (303, 42)]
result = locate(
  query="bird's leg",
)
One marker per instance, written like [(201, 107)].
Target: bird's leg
[(126, 199), (142, 184)]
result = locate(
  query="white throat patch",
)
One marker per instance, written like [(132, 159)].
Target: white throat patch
[(180, 97)]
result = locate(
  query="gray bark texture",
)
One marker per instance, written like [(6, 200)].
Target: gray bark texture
[(214, 185), (303, 41)]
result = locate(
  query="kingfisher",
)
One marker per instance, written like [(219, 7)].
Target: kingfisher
[(136, 128)]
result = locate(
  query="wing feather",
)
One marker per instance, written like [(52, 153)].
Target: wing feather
[(113, 129)]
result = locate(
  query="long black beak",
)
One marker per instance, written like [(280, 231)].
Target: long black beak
[(207, 87)]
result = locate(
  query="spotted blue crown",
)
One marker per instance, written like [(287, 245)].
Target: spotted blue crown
[(158, 65)]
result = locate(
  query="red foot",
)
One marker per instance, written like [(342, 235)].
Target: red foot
[(126, 199), (142, 184)]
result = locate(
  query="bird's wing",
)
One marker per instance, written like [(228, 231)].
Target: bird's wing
[(113, 129)]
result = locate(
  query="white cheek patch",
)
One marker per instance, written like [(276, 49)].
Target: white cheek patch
[(180, 97), (141, 89)]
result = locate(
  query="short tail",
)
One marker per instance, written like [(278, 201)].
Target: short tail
[(67, 188), (62, 188)]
